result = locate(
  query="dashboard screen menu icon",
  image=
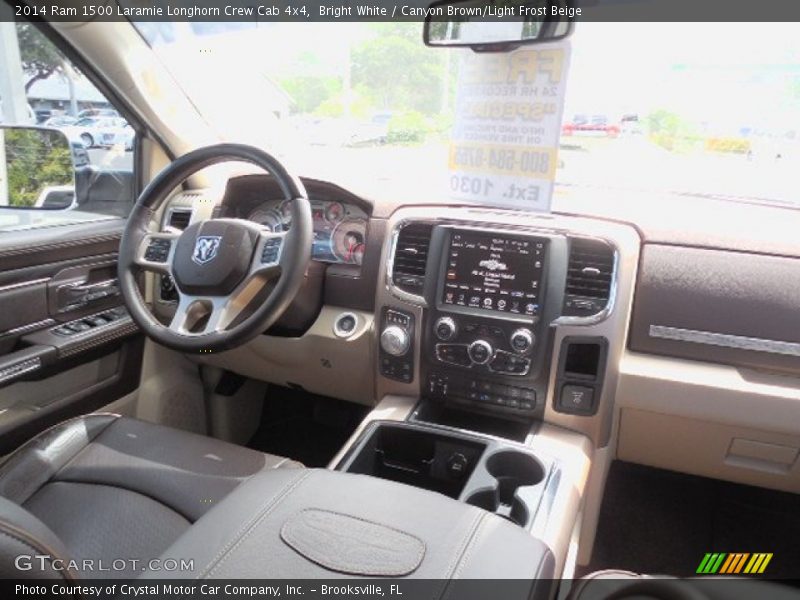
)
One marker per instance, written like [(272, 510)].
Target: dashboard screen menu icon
[(494, 272)]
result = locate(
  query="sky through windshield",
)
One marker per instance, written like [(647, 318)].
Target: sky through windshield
[(644, 110)]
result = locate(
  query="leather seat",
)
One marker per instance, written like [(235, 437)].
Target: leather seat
[(109, 488), (320, 524), (105, 487)]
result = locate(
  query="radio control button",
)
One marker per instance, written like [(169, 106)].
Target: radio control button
[(511, 364), (445, 329), (522, 340), (455, 354), (480, 352)]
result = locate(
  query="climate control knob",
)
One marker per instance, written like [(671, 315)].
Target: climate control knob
[(445, 328), (522, 340), (395, 340), (480, 352)]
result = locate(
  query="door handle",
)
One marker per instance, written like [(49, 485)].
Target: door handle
[(82, 289)]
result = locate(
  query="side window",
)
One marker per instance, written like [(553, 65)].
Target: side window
[(66, 152)]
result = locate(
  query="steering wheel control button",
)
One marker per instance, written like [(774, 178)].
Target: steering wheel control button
[(445, 329), (271, 251), (158, 250), (345, 325), (480, 352), (522, 340), (576, 400)]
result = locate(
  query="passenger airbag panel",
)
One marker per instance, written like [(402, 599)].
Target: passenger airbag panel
[(717, 306)]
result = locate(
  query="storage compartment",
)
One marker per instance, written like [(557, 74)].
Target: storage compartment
[(582, 360), (419, 457), (711, 449), (579, 380), (515, 475), (440, 414), (498, 477)]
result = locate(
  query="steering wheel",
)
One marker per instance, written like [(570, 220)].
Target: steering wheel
[(220, 266)]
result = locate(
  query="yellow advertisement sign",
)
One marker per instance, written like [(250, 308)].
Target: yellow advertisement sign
[(504, 146)]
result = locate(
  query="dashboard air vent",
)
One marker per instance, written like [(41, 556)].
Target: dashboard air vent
[(179, 219), (411, 256), (589, 275)]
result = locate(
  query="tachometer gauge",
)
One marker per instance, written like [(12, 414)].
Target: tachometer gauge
[(268, 217), (334, 212), (348, 241)]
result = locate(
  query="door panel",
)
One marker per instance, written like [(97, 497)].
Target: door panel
[(67, 345), (24, 302), (83, 383)]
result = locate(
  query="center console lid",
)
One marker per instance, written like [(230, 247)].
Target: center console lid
[(311, 523)]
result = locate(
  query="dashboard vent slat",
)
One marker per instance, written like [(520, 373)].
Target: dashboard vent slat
[(179, 219), (589, 277), (411, 256)]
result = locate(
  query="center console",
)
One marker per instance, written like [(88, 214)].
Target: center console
[(482, 349), (491, 318), (499, 335), (491, 298), (484, 337)]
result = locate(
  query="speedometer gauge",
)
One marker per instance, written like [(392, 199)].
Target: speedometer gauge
[(268, 217), (348, 241)]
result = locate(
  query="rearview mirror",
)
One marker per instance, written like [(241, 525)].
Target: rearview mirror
[(37, 168), (497, 25)]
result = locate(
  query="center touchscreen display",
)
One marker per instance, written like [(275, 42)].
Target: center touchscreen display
[(494, 272)]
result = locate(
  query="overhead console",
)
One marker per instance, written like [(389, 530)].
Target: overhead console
[(472, 309)]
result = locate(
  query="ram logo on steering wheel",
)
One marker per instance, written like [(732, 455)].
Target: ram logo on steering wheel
[(205, 248)]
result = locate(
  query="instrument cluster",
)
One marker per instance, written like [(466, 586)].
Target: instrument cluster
[(340, 229)]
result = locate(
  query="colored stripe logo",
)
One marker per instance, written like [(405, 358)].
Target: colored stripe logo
[(734, 563)]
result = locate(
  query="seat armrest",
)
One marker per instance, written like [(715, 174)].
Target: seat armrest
[(314, 523)]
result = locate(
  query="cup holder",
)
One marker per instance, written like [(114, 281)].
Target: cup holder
[(511, 471), (512, 465)]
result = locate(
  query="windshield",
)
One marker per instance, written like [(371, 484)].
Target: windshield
[(649, 106)]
